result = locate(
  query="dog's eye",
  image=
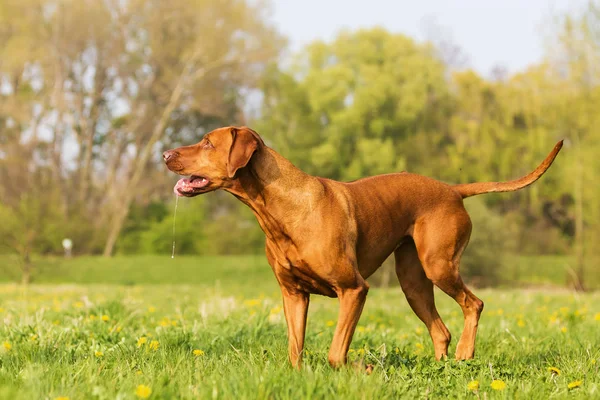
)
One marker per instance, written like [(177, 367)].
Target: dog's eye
[(207, 144)]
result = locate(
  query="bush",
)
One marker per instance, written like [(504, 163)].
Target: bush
[(492, 239), (215, 224), (149, 229)]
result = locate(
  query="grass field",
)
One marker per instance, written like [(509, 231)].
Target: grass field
[(214, 328), (127, 270)]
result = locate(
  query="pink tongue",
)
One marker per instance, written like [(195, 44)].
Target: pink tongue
[(184, 185), (179, 186)]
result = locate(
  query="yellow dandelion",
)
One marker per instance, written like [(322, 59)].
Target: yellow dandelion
[(78, 304), (33, 337), (138, 372), (597, 317), (521, 323), (419, 331), (419, 346), (276, 310), (174, 323), (397, 350), (105, 318), (581, 312), (165, 322), (7, 346), (500, 311), (593, 361), (252, 303), (554, 370), (575, 384), (92, 317), (360, 328), (563, 329), (99, 354), (2, 310), (61, 398), (330, 323), (360, 352), (497, 384), (151, 309), (143, 391), (473, 385), (142, 341), (154, 345), (198, 352)]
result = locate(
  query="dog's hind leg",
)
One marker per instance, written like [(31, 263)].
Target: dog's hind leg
[(418, 290), (440, 240)]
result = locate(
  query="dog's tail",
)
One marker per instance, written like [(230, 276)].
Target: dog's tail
[(473, 189)]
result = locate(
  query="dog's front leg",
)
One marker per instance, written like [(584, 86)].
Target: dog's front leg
[(295, 307), (352, 301)]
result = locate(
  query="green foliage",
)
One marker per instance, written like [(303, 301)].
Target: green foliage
[(346, 109), (236, 232), (149, 229), (493, 238), (30, 225), (214, 224)]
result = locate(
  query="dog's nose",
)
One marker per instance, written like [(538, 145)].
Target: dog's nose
[(168, 155)]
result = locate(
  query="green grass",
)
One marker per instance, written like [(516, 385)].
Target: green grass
[(131, 270), (547, 270), (230, 309), (128, 270)]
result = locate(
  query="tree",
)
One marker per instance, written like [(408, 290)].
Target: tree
[(99, 88), (353, 107), (577, 59)]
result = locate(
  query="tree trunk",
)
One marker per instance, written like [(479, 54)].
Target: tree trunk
[(388, 271), (140, 164), (90, 132), (26, 269), (116, 227), (578, 193)]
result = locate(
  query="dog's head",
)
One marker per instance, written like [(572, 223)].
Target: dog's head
[(213, 162)]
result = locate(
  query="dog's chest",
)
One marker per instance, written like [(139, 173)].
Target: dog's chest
[(295, 274), (302, 279)]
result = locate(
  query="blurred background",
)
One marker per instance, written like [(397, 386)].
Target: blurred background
[(92, 91)]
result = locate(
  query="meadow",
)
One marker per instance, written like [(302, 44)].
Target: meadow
[(213, 327)]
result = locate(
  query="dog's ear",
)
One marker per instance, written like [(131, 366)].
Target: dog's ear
[(244, 144)]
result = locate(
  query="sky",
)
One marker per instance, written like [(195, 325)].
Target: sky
[(508, 33)]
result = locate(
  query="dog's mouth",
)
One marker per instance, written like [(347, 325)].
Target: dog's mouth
[(191, 186)]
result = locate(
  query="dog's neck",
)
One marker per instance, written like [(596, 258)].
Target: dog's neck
[(279, 194)]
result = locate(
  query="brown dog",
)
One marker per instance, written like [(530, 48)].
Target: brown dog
[(326, 237)]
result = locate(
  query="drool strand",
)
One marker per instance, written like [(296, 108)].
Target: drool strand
[(174, 217)]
